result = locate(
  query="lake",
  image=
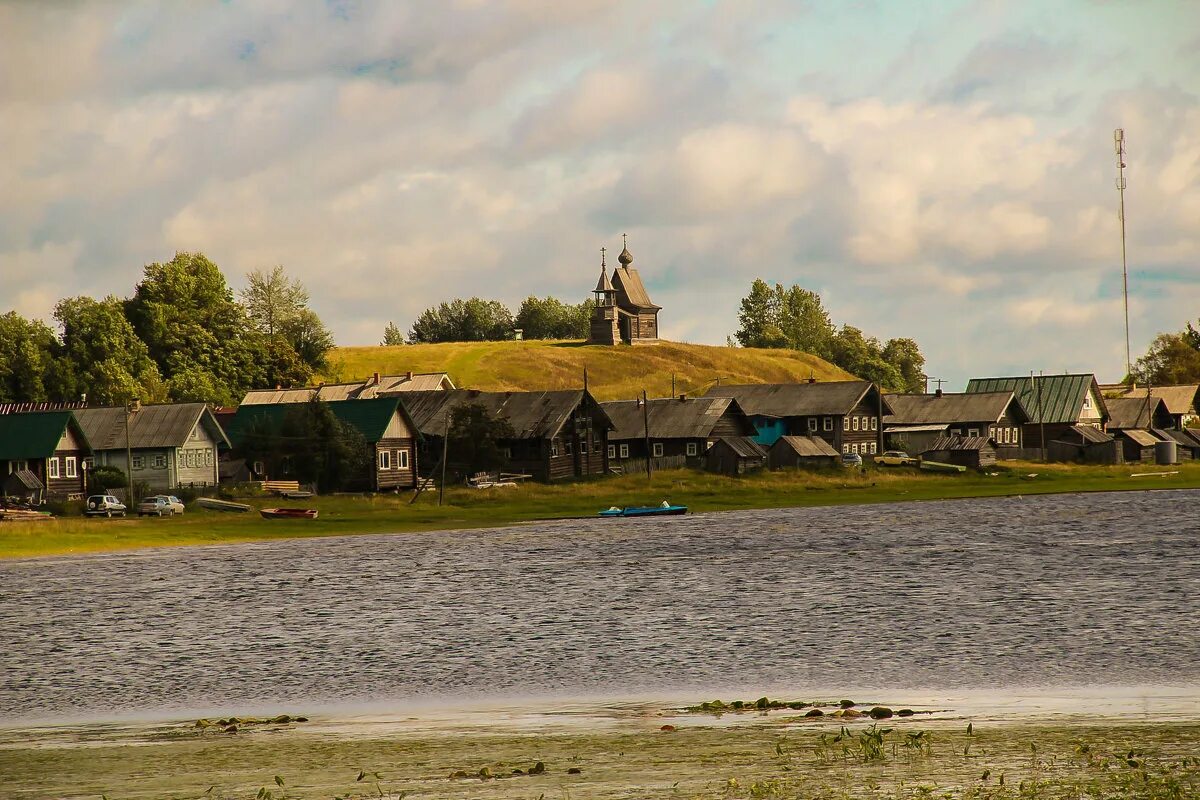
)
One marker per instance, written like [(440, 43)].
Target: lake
[(1068, 590)]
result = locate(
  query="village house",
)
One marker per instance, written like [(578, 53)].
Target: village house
[(42, 455), (1181, 402), (735, 455), (623, 312), (918, 420), (681, 429), (387, 429), (802, 451), (1055, 404), (1187, 441), (171, 445), (846, 414), (558, 435), (376, 386), (973, 452), (1131, 420)]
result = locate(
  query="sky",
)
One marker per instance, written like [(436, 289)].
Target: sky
[(936, 170)]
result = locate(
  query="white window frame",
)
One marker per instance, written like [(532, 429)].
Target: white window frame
[(845, 448), (52, 467), (159, 461), (385, 460), (401, 459), (70, 466), (854, 424), (812, 424), (874, 447), (874, 423), (692, 449), (258, 468), (624, 451), (828, 423), (208, 457), (139, 462), (612, 452), (554, 449), (583, 447), (972, 431), (568, 448), (846, 425), (657, 449)]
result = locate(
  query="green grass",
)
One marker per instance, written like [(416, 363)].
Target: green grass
[(613, 372), (615, 755), (471, 508)]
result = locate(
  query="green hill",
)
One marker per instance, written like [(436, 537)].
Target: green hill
[(613, 372)]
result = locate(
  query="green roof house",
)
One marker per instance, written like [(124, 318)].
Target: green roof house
[(1055, 403), (41, 455)]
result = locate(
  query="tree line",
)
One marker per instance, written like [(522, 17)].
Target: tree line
[(795, 319), (479, 320), (182, 336), (1172, 358)]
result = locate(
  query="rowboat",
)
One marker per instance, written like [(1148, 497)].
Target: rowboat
[(664, 510), (214, 504), (288, 513), (938, 466)]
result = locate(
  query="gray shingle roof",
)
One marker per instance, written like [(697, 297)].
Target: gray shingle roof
[(627, 280), (670, 418), (1144, 438), (744, 446), (1178, 399), (797, 399), (806, 446), (532, 415), (153, 426), (960, 443), (1091, 434), (950, 408), (1134, 412), (1051, 399)]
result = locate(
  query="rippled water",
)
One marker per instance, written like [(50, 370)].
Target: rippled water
[(1056, 590)]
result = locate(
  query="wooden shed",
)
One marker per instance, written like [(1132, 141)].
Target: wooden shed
[(23, 486), (1137, 445), (802, 451), (735, 455), (966, 451), (1087, 444)]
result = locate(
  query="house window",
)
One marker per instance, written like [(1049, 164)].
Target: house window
[(972, 431), (583, 448), (624, 451), (812, 424), (208, 458), (569, 448), (874, 423), (70, 465), (845, 448), (385, 459), (259, 468), (139, 462), (612, 451), (855, 423), (658, 449), (692, 449), (829, 423), (554, 448), (1087, 402), (846, 425), (159, 461), (52, 467), (1007, 435), (873, 446), (402, 459)]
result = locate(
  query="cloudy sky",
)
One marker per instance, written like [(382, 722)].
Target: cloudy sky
[(939, 170)]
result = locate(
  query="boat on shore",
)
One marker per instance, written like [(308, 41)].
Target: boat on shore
[(664, 510), (213, 504), (938, 466), (288, 513)]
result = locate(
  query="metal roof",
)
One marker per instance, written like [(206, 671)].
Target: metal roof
[(669, 418), (916, 428), (369, 417), (806, 446), (532, 415), (36, 434), (743, 446), (627, 281), (1178, 399), (1135, 412), (960, 443), (152, 426), (355, 390), (798, 399), (43, 405), (950, 408), (1050, 398)]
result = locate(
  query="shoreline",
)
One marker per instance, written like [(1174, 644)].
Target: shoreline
[(467, 509)]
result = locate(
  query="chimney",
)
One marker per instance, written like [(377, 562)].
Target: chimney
[(937, 393), (375, 379), (408, 375)]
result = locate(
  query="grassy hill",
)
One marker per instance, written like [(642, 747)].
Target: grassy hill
[(613, 372)]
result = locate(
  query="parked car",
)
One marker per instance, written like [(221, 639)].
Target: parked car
[(160, 505), (851, 460), (104, 505), (896, 458)]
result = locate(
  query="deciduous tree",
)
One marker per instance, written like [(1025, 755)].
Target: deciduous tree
[(473, 320), (106, 359)]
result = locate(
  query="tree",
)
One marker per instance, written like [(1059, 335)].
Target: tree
[(392, 336), (905, 356), (28, 360), (758, 313), (277, 307), (784, 318), (1172, 358), (185, 313), (551, 318), (473, 443), (325, 451), (105, 358), (862, 356), (473, 320)]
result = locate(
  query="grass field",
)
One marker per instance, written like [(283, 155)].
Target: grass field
[(617, 754), (472, 508), (613, 372)]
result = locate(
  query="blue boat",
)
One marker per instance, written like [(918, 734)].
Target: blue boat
[(664, 510)]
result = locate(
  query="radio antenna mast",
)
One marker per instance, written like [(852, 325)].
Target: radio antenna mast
[(1119, 147)]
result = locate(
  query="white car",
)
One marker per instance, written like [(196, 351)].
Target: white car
[(160, 505), (104, 505)]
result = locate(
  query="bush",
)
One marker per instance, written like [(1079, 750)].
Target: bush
[(65, 508), (103, 479)]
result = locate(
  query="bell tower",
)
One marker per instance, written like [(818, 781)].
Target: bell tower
[(604, 327)]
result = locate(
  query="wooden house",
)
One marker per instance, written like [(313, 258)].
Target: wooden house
[(388, 431), (1136, 445), (172, 445), (45, 451), (812, 452), (623, 310), (557, 435), (1086, 444), (846, 414), (1182, 402), (973, 452), (735, 455), (1055, 404), (375, 386), (1131, 420), (681, 429), (918, 420)]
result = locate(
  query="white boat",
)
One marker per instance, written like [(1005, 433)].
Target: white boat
[(214, 504)]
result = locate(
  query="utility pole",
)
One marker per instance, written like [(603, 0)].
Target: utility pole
[(646, 422), (132, 407), (1119, 147), (445, 452)]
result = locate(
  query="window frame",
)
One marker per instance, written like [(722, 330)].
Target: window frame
[(52, 468), (874, 448), (159, 461), (813, 424), (657, 449), (693, 449), (612, 452), (402, 459), (70, 468), (555, 450), (139, 462), (874, 423), (854, 424), (383, 460), (846, 447), (828, 424), (624, 451), (846, 425)]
